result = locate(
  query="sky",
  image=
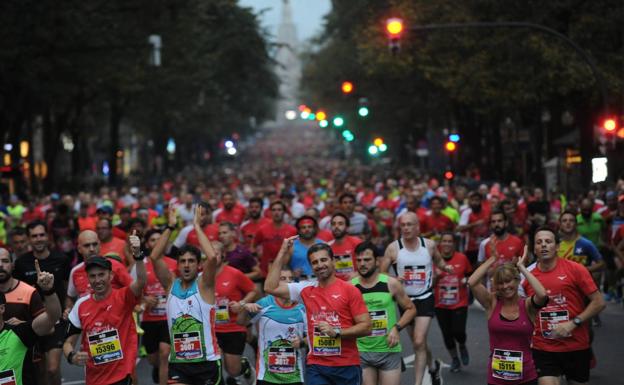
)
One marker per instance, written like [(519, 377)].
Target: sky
[(307, 14)]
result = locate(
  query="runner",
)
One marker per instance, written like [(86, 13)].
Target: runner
[(255, 220), (232, 290), (414, 257), (191, 310), (236, 255), (511, 319), (358, 222), (451, 300), (343, 246), (109, 338), (17, 339), (508, 246), (156, 338), (473, 224), (188, 234), (56, 263), (231, 211), (335, 314), (435, 222), (561, 338), (109, 243), (270, 236), (280, 325), (380, 353), (89, 247), (575, 247), (307, 229)]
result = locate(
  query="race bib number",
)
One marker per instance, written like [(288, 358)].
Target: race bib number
[(324, 345), (507, 365), (344, 264), (187, 345), (550, 319), (223, 314), (160, 309), (282, 360), (7, 377), (379, 320), (105, 347), (415, 276), (449, 294)]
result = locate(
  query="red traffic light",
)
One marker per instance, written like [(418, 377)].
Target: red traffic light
[(347, 87), (609, 125), (450, 146), (394, 27), (449, 175)]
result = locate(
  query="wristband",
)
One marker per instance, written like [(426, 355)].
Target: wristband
[(398, 327), (138, 257), (70, 356)]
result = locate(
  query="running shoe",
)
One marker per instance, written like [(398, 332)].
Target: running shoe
[(436, 377), (465, 358), (455, 365), (249, 373)]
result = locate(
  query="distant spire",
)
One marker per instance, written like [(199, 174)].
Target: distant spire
[(286, 12), (289, 66)]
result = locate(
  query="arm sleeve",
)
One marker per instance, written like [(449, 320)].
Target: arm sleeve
[(181, 238), (295, 289), (482, 245), (463, 220), (593, 252)]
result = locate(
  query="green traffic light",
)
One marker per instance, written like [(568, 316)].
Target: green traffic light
[(348, 135), (338, 121), (363, 111)]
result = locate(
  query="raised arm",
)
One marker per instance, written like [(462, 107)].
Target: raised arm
[(207, 279), (272, 284), (540, 298), (481, 293), (141, 274), (160, 266), (45, 322)]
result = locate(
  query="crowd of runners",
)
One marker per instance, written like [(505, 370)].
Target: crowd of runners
[(318, 271)]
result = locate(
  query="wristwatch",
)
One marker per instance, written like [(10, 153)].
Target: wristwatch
[(577, 321)]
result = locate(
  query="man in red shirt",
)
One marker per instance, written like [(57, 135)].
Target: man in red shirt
[(109, 338), (231, 211), (250, 227), (508, 247), (270, 236), (232, 291), (210, 229), (78, 286), (343, 247), (561, 343), (336, 315), (108, 243), (473, 224), (435, 223)]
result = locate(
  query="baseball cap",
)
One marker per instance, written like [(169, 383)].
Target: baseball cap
[(98, 262), (104, 209)]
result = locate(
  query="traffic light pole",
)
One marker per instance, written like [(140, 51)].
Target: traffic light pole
[(587, 136)]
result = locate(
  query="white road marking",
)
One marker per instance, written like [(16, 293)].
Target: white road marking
[(427, 378)]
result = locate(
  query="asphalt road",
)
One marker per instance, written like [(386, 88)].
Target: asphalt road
[(608, 348)]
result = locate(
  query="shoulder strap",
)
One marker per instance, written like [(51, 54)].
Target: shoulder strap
[(400, 243), (422, 241)]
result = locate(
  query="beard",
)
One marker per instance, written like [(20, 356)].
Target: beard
[(4, 276), (498, 231), (368, 274)]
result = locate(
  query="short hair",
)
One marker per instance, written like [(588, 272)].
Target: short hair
[(452, 234), (367, 245), (320, 247), (150, 232), (17, 231), (35, 223), (346, 195), (134, 221), (436, 198), (257, 200), (231, 226), (341, 214), (475, 194), (278, 202), (107, 220), (498, 211), (568, 212), (546, 228), (205, 205), (194, 251), (303, 218)]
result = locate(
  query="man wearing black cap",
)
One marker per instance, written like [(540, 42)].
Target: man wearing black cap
[(109, 337), (17, 339)]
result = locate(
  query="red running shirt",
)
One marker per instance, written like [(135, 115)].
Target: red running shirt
[(270, 238), (344, 256), (231, 285), (250, 228), (153, 288), (507, 249), (108, 335), (211, 230), (568, 285), (337, 304), (451, 291)]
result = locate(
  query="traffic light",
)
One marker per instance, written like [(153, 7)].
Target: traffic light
[(454, 138), (378, 142), (348, 135), (609, 125), (363, 110), (321, 115), (338, 121), (394, 30), (347, 87), (373, 150), (450, 147), (449, 175), (323, 123)]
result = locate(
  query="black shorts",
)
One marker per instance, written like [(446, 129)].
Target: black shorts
[(54, 340), (155, 333), (125, 381), (232, 343), (573, 365), (424, 307), (197, 373)]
